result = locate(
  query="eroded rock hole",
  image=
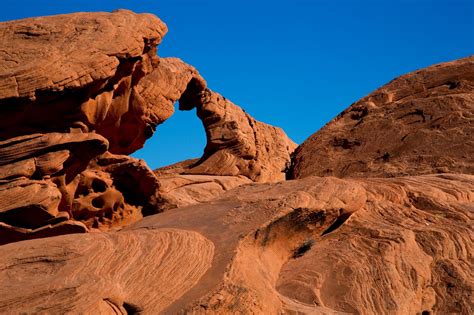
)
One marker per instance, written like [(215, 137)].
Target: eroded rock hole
[(98, 202), (99, 186), (182, 137)]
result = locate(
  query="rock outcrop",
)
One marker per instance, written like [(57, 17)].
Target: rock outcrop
[(79, 71), (315, 245), (419, 123), (68, 90), (78, 93), (392, 235)]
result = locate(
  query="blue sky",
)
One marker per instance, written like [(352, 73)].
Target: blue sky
[(293, 64)]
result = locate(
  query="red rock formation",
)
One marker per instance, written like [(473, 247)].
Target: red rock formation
[(419, 123), (66, 82), (74, 86), (237, 144), (238, 239), (315, 245)]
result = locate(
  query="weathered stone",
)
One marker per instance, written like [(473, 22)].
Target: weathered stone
[(316, 244), (237, 238), (419, 123), (237, 144), (78, 72), (115, 190)]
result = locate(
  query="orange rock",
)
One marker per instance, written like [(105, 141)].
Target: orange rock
[(69, 80), (419, 123), (78, 91)]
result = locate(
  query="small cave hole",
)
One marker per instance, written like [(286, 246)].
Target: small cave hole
[(336, 224), (116, 207), (98, 186), (98, 202), (81, 191), (426, 313)]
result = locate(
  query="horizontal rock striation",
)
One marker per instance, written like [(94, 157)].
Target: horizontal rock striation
[(67, 95)]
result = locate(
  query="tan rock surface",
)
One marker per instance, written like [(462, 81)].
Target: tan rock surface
[(419, 123), (81, 70), (184, 190), (73, 76), (115, 190), (237, 238), (85, 275), (320, 245), (36, 174), (237, 144)]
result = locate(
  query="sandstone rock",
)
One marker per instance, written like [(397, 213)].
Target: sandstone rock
[(115, 190), (78, 91), (237, 144), (315, 245), (239, 150), (166, 85), (66, 82), (83, 73), (183, 190), (419, 123), (141, 277), (36, 172), (78, 72)]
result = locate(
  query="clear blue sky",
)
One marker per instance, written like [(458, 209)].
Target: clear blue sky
[(293, 64)]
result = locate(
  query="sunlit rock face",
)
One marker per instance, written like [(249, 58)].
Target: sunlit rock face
[(377, 218), (419, 123), (78, 93)]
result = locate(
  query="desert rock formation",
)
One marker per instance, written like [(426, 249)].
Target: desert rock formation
[(378, 218), (419, 123), (77, 93), (316, 245)]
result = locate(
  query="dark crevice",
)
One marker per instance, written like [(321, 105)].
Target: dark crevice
[(453, 84), (132, 309), (417, 112), (345, 143), (337, 224), (359, 113), (302, 249), (192, 96)]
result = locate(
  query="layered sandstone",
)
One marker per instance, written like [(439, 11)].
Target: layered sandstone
[(392, 235), (77, 93), (316, 245), (419, 123)]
